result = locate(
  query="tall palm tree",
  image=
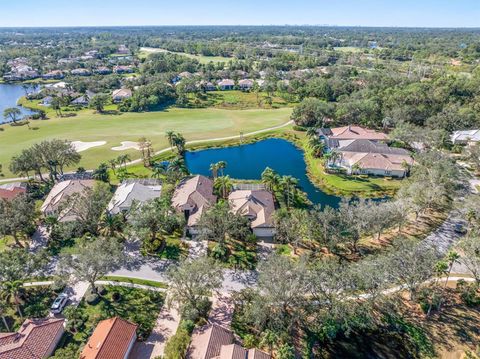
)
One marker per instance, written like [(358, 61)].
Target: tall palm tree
[(170, 137), (179, 142), (214, 169), (11, 291), (159, 169), (177, 165), (270, 179), (356, 168), (223, 185), (221, 166), (113, 165), (289, 187), (123, 159)]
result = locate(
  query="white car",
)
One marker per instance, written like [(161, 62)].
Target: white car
[(59, 304)]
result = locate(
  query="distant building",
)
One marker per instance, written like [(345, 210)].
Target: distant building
[(113, 338), (207, 86), (226, 84), (134, 191), (35, 339), (57, 200), (53, 75), (246, 84), (467, 137), (123, 50), (192, 197), (123, 69), (103, 70), (121, 94), (256, 205), (80, 72), (11, 190)]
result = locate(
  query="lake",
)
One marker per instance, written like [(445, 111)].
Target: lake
[(249, 161), (9, 95)]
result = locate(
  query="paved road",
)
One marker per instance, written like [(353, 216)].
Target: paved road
[(187, 143)]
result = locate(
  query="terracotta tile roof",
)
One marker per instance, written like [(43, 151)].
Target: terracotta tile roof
[(111, 339), (207, 342), (377, 160), (356, 132), (257, 205), (35, 339), (11, 190)]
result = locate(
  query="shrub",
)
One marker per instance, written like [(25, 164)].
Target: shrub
[(299, 128), (176, 347), (188, 325), (469, 293), (92, 298)]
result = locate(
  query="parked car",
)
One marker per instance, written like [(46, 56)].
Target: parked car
[(460, 228), (59, 304)]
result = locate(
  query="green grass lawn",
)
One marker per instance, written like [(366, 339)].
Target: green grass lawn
[(136, 305), (145, 51), (151, 283), (194, 124)]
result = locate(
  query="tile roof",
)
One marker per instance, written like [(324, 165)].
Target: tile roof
[(380, 161), (232, 351), (130, 191), (62, 191), (11, 190), (111, 339), (207, 342), (257, 205), (35, 339), (368, 146), (195, 194), (257, 354), (356, 132)]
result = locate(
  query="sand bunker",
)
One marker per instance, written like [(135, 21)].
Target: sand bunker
[(83, 146), (127, 145)]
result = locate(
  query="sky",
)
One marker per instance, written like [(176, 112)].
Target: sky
[(396, 13)]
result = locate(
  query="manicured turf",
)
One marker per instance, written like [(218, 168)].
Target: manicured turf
[(86, 126), (145, 51)]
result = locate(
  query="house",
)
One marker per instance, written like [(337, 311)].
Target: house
[(80, 72), (351, 132), (123, 69), (57, 200), (81, 101), (207, 86), (468, 137), (55, 74), (258, 206), (46, 101), (11, 190), (246, 84), (35, 339), (123, 50), (103, 70), (192, 197), (378, 164), (112, 339), (226, 84), (215, 342), (121, 94), (130, 191)]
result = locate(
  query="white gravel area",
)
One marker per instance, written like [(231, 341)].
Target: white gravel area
[(81, 146), (127, 145)]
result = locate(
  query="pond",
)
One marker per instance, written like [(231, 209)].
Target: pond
[(249, 161), (9, 95)]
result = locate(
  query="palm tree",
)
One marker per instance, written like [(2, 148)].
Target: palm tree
[(159, 169), (223, 185), (2, 314), (11, 291), (170, 136), (312, 132), (356, 168), (177, 165), (317, 147), (111, 225), (214, 169), (334, 157), (179, 142), (221, 166), (270, 179), (123, 159), (289, 186), (113, 165)]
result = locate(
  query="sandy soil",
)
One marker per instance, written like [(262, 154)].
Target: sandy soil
[(83, 146), (127, 145)]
